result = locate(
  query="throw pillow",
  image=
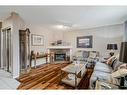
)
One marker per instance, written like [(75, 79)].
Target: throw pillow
[(116, 66), (85, 54), (92, 55), (110, 60), (119, 73), (114, 62), (123, 66)]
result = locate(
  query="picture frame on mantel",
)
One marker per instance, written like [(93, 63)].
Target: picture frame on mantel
[(85, 42), (37, 40)]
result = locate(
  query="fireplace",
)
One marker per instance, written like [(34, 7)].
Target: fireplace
[(60, 57), (60, 53)]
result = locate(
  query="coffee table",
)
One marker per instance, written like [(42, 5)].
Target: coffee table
[(77, 70)]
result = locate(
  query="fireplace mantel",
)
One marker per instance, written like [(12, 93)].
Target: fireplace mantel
[(60, 47)]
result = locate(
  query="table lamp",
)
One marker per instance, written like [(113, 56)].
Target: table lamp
[(112, 47)]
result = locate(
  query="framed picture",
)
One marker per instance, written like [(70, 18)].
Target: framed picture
[(84, 42), (37, 40)]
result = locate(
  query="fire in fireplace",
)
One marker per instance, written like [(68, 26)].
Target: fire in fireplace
[(60, 57)]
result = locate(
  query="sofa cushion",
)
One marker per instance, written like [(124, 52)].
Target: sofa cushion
[(78, 53), (98, 75), (102, 75), (93, 54), (85, 54), (114, 63), (102, 64), (102, 67)]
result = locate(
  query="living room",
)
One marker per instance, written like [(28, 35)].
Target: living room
[(39, 41)]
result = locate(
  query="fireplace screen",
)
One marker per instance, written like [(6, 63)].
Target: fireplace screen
[(60, 57)]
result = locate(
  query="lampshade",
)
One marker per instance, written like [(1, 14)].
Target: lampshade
[(123, 52), (112, 47)]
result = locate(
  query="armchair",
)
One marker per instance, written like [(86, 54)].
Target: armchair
[(93, 58), (81, 56)]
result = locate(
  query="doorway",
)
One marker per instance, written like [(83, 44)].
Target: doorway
[(24, 47), (6, 57)]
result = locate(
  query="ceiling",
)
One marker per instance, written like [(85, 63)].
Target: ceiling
[(76, 17)]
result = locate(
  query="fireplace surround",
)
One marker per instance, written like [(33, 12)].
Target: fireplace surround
[(61, 53)]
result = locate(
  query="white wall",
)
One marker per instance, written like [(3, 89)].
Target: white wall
[(101, 37)]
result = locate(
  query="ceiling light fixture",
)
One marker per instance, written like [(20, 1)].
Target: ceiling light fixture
[(59, 26), (62, 27)]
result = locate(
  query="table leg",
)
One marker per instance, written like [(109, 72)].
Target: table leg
[(60, 77), (46, 59), (35, 63), (75, 81)]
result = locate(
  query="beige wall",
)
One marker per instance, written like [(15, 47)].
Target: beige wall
[(49, 36), (39, 30), (101, 37)]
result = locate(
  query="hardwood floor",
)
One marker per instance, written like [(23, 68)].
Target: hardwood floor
[(47, 76), (84, 84)]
